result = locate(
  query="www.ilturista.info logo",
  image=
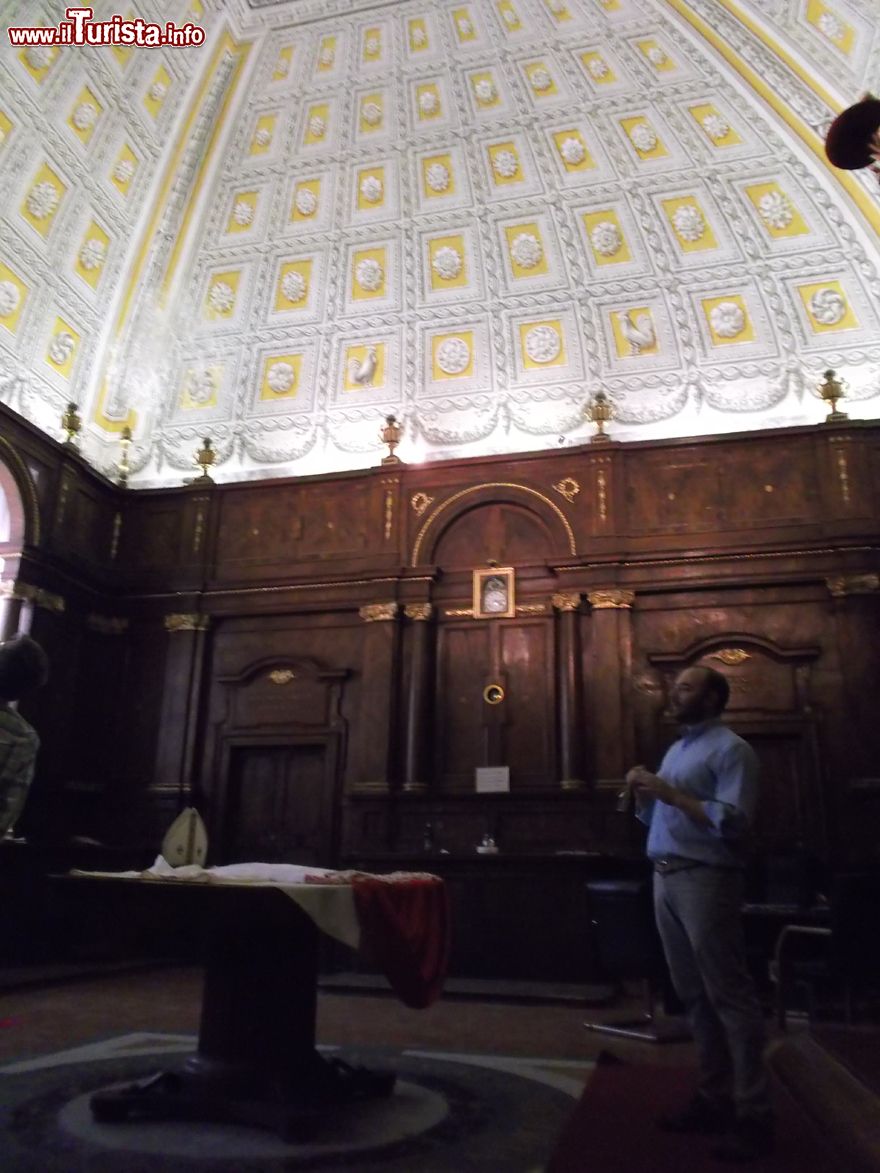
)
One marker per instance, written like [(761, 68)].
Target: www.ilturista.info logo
[(81, 29)]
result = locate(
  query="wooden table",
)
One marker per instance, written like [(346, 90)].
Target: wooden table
[(256, 1061)]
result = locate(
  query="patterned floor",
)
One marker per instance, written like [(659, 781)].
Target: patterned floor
[(450, 1113)]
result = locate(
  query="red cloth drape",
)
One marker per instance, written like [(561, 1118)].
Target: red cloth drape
[(405, 931)]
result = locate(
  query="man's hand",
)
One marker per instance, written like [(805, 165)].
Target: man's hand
[(648, 785)]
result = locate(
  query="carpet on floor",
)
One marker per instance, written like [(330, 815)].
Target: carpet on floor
[(448, 1114), (612, 1128)]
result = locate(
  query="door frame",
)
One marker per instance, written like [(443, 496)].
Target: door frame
[(330, 740)]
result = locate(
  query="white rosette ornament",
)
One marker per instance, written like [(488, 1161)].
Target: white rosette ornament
[(243, 213), (543, 344), (293, 286), (541, 80), (688, 223), (42, 200), (526, 250), (221, 297), (447, 263), (317, 126), (828, 306), (606, 238), (727, 319), (573, 151), (306, 201), (92, 254), (61, 348), (505, 164), (281, 377), (10, 296), (369, 275), (429, 103), (453, 356), (485, 91), (371, 189), (84, 116), (643, 137), (371, 112), (598, 68), (775, 209), (123, 171), (716, 127), (437, 177), (263, 136)]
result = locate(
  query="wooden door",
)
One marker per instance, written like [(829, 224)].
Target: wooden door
[(279, 806)]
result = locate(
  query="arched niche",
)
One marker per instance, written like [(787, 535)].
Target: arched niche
[(509, 523)]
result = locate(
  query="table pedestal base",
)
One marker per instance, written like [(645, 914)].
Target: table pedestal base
[(226, 1094)]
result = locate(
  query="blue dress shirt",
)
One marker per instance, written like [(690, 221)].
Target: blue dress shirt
[(713, 764)]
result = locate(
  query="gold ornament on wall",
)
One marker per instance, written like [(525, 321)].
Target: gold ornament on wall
[(72, 424), (568, 487), (390, 435), (831, 390), (599, 411), (205, 458)]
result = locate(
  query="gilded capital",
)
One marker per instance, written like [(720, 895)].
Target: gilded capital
[(841, 585), (611, 599), (378, 612), (420, 612), (566, 600), (187, 622), (27, 593)]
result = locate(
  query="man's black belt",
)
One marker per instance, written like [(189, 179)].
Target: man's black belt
[(668, 864)]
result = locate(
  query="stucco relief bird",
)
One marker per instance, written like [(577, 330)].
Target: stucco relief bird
[(362, 371), (638, 330)]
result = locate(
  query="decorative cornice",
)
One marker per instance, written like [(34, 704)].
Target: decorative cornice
[(566, 600), (418, 611), (841, 585), (107, 624), (378, 612), (531, 608), (176, 622), (611, 599), (459, 613)]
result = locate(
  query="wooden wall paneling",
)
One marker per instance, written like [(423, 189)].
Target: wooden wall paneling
[(607, 680), (279, 742), (673, 491), (529, 743), (771, 706), (187, 638), (767, 485), (855, 618), (375, 741), (461, 737)]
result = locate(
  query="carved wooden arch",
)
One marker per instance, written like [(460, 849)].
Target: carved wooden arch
[(503, 492), (732, 641), (739, 648), (21, 496), (296, 665)]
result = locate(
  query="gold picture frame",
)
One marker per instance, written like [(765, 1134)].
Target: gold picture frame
[(494, 593)]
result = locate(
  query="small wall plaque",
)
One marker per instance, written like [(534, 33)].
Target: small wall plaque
[(492, 779)]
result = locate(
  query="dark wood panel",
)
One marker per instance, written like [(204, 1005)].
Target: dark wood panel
[(526, 656), (463, 665)]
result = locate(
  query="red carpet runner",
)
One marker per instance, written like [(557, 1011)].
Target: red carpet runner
[(612, 1129)]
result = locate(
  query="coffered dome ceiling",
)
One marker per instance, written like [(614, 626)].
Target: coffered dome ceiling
[(471, 214)]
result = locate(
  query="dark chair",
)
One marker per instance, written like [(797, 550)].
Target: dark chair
[(629, 949), (840, 957)]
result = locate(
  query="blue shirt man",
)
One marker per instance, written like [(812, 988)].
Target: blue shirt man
[(700, 808)]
